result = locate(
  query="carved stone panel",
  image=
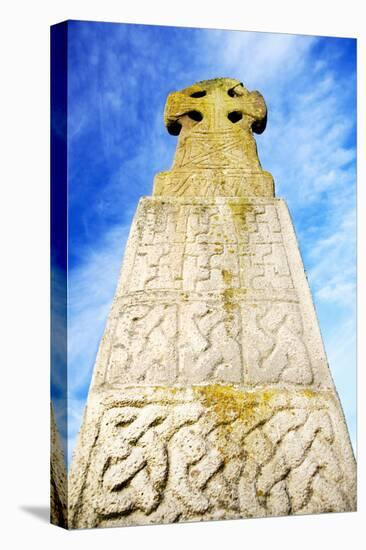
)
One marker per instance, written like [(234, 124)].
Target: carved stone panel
[(215, 453), (208, 247), (274, 344), (230, 340)]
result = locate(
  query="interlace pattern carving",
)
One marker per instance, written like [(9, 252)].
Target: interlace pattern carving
[(165, 462)]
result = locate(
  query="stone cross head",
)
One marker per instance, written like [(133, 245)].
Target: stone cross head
[(216, 152), (215, 105), (221, 112)]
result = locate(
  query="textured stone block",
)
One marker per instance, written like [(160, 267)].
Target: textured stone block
[(154, 455), (211, 396)]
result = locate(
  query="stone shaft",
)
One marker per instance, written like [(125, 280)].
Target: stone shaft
[(211, 395)]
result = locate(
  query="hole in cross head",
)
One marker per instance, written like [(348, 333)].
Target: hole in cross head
[(236, 90), (199, 94), (174, 128), (195, 115), (235, 116), (259, 126)]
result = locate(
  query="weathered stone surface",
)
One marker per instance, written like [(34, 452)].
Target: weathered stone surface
[(211, 395), (212, 291), (153, 455), (58, 493), (216, 153)]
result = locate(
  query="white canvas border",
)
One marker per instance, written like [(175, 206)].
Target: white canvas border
[(25, 284)]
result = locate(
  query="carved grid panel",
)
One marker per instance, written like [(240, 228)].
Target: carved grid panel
[(207, 248)]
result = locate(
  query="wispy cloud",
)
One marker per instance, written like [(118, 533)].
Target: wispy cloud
[(91, 289), (336, 284), (340, 340), (75, 412), (263, 59)]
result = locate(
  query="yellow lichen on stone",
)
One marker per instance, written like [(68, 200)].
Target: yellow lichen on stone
[(229, 402), (240, 210), (227, 276), (216, 153), (309, 393)]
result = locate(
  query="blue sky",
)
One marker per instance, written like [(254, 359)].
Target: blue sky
[(118, 79)]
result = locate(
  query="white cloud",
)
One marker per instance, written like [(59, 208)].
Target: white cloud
[(68, 420), (341, 346), (75, 413), (333, 271), (91, 290), (261, 58)]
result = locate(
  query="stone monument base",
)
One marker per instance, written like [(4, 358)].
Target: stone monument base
[(161, 455)]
